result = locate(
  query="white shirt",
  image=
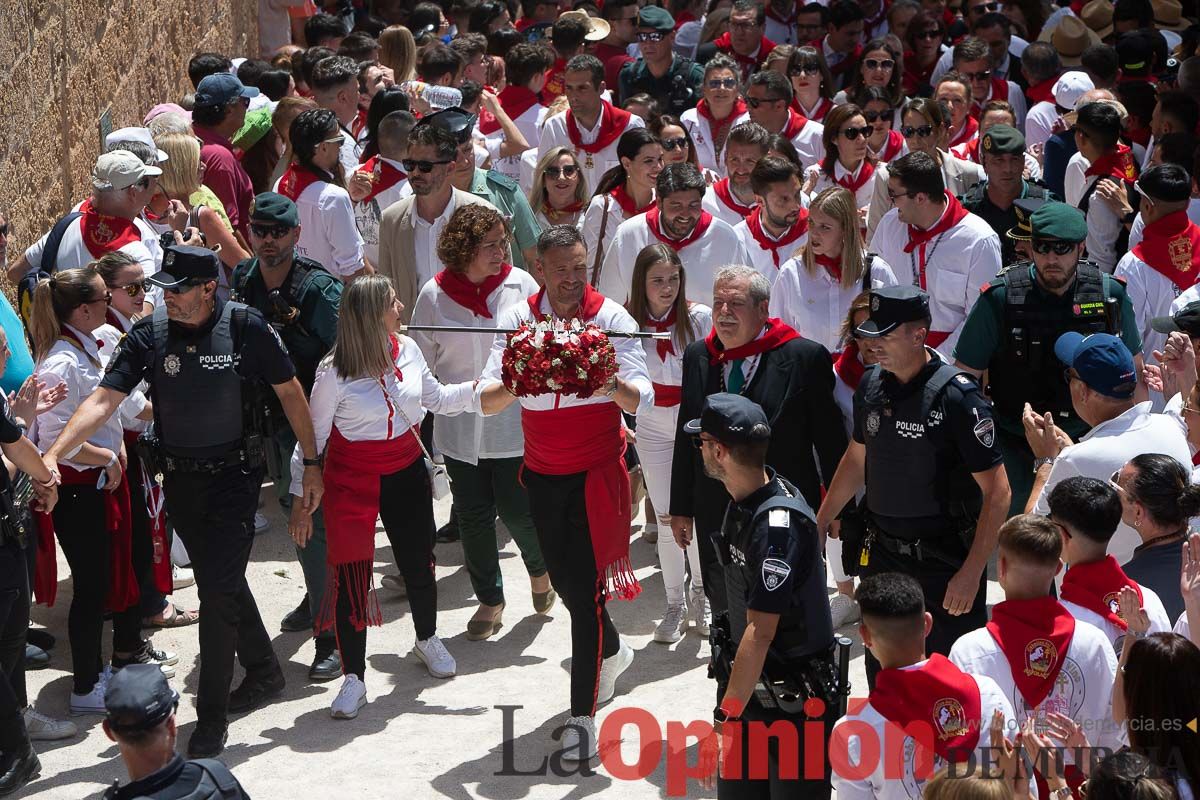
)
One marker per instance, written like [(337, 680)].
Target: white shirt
[(808, 142), (1107, 447), (349, 151), (456, 357), (1151, 604), (592, 221), (816, 305), (110, 335), (1190, 295), (703, 139), (1151, 294), (380, 408), (530, 126), (660, 421), (1137, 230), (368, 214), (1104, 226), (554, 134), (328, 229), (862, 197), (73, 253), (958, 263), (765, 259), (425, 238), (702, 259), (728, 214), (1039, 122)]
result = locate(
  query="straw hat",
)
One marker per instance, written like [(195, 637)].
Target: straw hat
[(1070, 37)]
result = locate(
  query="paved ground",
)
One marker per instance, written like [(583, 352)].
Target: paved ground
[(418, 736)]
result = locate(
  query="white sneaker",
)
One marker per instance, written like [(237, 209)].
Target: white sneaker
[(92, 702), (350, 698), (844, 610), (181, 578), (47, 729), (261, 523), (673, 626), (610, 670), (701, 611), (437, 658), (579, 739)]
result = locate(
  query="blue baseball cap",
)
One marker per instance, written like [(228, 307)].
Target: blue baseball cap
[(221, 89), (1101, 360)]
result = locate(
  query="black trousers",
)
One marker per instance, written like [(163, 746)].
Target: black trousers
[(153, 601), (80, 528), (559, 512), (14, 622), (213, 513), (406, 508), (705, 526)]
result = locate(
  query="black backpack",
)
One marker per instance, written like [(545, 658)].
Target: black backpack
[(29, 282)]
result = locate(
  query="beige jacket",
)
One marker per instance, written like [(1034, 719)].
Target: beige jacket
[(959, 176)]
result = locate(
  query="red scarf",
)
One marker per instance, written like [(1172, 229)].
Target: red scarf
[(1042, 92), (795, 124), (791, 236), (865, 173), (725, 195), (589, 306), (998, 91), (104, 234), (152, 495), (1116, 163), (625, 201), (832, 265), (684, 18), (296, 179), (968, 151), (702, 226), (589, 438), (824, 106), (665, 346), (471, 296), (777, 334), (969, 129), (718, 126), (849, 366), (892, 147), (1034, 636), (388, 176), (613, 122), (724, 43), (1097, 586), (939, 695), (1171, 247), (515, 100), (553, 86), (953, 215), (359, 123)]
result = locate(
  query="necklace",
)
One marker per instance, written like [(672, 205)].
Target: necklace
[(1166, 537)]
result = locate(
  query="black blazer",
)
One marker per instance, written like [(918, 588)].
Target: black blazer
[(794, 385)]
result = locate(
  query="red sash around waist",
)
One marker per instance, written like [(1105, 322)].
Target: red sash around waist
[(667, 396)]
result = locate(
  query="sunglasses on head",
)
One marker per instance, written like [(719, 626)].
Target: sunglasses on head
[(651, 36), (722, 83), (424, 167), (873, 116), (269, 231), (755, 102), (806, 68), (853, 133), (875, 63), (565, 171), (985, 75), (674, 144), (1044, 246), (909, 131)]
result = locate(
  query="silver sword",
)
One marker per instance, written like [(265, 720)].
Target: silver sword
[(494, 331)]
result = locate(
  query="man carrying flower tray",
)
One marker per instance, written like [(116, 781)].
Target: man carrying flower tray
[(573, 383)]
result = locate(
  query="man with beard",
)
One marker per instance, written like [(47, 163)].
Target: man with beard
[(669, 78), (1011, 331), (731, 199), (778, 226), (678, 220)]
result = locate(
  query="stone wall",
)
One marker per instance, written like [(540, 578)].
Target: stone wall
[(65, 62)]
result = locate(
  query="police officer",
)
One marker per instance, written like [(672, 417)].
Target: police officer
[(300, 299), (778, 622), (673, 81), (924, 446), (1011, 330), (203, 358)]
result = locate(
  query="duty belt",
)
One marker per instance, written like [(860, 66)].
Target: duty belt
[(919, 549), (171, 464)]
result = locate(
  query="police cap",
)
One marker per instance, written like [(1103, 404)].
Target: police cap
[(657, 18), (891, 307), (1023, 209), (455, 121), (182, 263), (1059, 221), (138, 698), (1002, 140), (1185, 320), (731, 418), (274, 209)]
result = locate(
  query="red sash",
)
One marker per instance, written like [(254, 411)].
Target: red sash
[(388, 176), (515, 100), (1171, 247), (665, 346), (1116, 163), (553, 86), (296, 179), (161, 561), (471, 296), (725, 195), (777, 334), (969, 129), (1042, 92), (719, 125), (1097, 586), (795, 124), (791, 236), (724, 43), (938, 694), (892, 147), (865, 172), (103, 233), (613, 122), (589, 306), (702, 226), (1034, 636), (667, 396), (849, 366), (625, 201), (589, 438)]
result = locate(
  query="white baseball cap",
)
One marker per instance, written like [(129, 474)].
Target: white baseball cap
[(1070, 87), (120, 169), (142, 135)]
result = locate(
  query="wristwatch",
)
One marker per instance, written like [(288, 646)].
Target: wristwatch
[(1038, 463), (609, 392), (721, 715), (311, 462)]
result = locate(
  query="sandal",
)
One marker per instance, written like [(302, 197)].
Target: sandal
[(176, 619)]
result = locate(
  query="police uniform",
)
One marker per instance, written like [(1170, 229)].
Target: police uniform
[(1011, 331), (211, 458), (678, 89)]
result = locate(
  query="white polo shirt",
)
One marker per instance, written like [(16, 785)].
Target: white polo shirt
[(816, 305), (328, 228), (808, 142), (1104, 226)]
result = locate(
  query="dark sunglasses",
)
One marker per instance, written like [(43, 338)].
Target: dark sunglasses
[(873, 116), (425, 167), (269, 231), (722, 83), (874, 63), (853, 133), (985, 75), (566, 171), (929, 35), (755, 102), (674, 144), (134, 289), (1043, 246), (909, 131), (651, 36), (698, 441), (180, 288), (985, 7), (806, 68)]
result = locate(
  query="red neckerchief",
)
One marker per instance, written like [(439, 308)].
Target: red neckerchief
[(795, 124), (791, 236), (832, 265), (388, 177), (104, 234), (725, 195), (589, 306), (953, 215), (849, 366), (1117, 163), (824, 106), (702, 226), (554, 213), (865, 172), (684, 18), (613, 122), (937, 694), (1042, 92), (724, 43), (719, 125), (1097, 586), (777, 334), (296, 179), (1034, 636), (66, 333), (892, 147), (665, 346), (625, 201), (471, 296), (359, 122), (968, 151), (998, 91), (1171, 247), (515, 100), (969, 129)]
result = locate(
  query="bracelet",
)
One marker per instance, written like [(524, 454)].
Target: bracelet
[(111, 461), (721, 715)]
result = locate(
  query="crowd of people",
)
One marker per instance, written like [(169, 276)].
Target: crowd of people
[(901, 292)]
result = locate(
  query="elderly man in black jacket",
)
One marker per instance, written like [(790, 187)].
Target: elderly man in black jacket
[(791, 378)]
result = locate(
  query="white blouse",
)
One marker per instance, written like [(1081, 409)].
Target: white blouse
[(589, 226), (669, 371), (816, 305), (136, 402), (862, 197)]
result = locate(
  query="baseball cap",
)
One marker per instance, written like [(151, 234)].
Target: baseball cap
[(1058, 221), (456, 121), (183, 263), (120, 169), (1135, 51), (1002, 140), (731, 418), (142, 135), (1185, 320), (1102, 362), (654, 17), (1069, 87), (891, 307), (138, 698), (274, 208), (221, 89)]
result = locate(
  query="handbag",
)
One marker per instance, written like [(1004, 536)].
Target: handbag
[(439, 478)]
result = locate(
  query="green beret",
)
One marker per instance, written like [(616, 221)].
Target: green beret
[(274, 209), (1059, 221), (1002, 140), (654, 17)]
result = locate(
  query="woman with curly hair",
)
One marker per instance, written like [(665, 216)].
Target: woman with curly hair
[(560, 190), (483, 454)]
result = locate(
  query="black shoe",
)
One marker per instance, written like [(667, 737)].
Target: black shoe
[(41, 637), (255, 690), (327, 665), (448, 532), (18, 768), (36, 657), (298, 619), (208, 740)]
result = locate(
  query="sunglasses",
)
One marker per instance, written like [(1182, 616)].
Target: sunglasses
[(134, 289), (894, 196), (722, 83), (982, 7), (884, 64), (755, 102), (186, 286), (698, 441), (985, 75), (106, 299), (909, 131), (424, 167), (674, 144), (1042, 247), (1187, 408), (1115, 480), (566, 171), (269, 231), (807, 68), (930, 35), (853, 133), (651, 36), (337, 140), (873, 116)]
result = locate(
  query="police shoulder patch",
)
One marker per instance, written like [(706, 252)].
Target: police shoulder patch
[(774, 572), (985, 432)]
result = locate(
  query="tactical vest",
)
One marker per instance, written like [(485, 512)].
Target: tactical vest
[(1025, 369)]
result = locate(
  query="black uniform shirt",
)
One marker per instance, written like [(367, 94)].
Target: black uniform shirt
[(177, 779), (775, 556)]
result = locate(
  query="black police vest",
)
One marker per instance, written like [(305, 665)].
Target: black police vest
[(197, 390), (1025, 369), (907, 472)]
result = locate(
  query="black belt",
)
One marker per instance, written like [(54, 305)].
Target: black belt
[(172, 463), (919, 549)]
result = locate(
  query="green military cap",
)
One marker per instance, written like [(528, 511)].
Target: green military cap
[(1058, 221), (1002, 140), (1023, 209), (274, 208), (654, 17)]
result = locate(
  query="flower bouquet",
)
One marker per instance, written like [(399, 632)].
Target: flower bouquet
[(550, 356)]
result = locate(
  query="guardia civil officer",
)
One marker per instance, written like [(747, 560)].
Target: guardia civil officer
[(1011, 330), (300, 300), (203, 357), (924, 446), (778, 633)]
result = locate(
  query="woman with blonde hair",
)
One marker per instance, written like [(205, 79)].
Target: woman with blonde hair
[(368, 400), (398, 52), (658, 302), (560, 192)]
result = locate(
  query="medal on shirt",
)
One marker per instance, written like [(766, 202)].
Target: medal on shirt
[(587, 162)]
